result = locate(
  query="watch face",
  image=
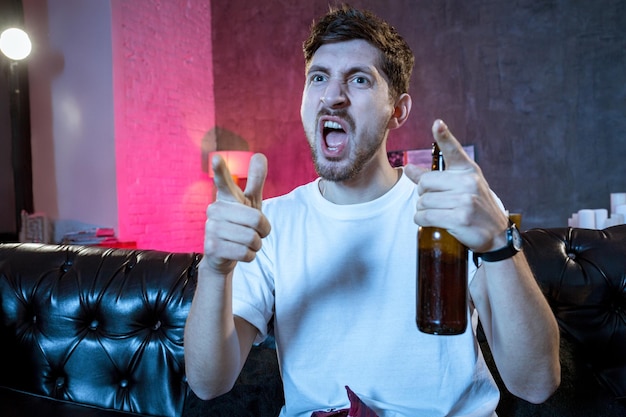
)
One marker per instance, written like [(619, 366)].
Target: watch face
[(516, 238)]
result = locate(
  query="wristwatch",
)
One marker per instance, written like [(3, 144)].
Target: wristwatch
[(513, 246)]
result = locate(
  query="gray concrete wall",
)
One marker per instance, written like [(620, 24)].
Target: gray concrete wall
[(537, 86)]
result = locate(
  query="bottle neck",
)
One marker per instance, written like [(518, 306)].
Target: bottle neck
[(438, 164)]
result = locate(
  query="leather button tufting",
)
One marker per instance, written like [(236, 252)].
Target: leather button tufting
[(571, 255), (67, 265), (87, 325), (130, 264)]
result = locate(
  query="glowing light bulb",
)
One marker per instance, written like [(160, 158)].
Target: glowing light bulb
[(15, 44)]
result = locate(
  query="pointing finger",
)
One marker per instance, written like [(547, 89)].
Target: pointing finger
[(453, 152)]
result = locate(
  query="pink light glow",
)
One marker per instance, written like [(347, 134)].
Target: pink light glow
[(236, 161), (161, 115)]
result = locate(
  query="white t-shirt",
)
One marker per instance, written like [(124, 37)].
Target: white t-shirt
[(340, 280)]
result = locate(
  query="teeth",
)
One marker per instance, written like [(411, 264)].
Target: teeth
[(332, 125)]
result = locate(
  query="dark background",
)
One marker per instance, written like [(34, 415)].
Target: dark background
[(538, 87)]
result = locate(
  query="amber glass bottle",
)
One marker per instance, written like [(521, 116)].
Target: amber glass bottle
[(441, 277)]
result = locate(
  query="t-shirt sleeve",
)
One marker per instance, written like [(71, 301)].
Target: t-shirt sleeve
[(253, 293)]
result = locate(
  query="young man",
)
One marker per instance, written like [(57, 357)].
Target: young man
[(337, 271)]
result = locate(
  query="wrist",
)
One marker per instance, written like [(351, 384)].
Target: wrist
[(215, 270), (512, 245)]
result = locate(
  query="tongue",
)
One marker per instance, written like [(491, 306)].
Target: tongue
[(335, 139)]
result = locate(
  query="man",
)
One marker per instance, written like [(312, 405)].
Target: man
[(337, 271)]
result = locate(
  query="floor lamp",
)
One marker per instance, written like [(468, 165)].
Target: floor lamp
[(16, 46)]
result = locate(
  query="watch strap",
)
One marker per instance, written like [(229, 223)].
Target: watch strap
[(508, 251)]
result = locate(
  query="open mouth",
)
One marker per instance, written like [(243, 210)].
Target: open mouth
[(334, 135)]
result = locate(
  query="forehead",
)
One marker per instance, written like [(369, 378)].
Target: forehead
[(338, 56)]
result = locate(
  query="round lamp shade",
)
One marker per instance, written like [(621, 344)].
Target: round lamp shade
[(15, 44), (236, 161)]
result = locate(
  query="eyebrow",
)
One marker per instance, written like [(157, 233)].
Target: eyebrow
[(353, 70), (316, 68)]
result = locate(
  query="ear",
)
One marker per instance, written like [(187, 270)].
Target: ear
[(400, 111)]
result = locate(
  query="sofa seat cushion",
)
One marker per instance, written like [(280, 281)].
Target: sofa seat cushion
[(258, 391), (579, 394)]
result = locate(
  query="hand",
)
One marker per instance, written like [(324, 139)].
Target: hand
[(235, 224), (459, 198)]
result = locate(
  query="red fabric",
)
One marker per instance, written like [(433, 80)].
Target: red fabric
[(357, 408)]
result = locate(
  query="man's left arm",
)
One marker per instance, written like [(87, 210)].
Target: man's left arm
[(519, 325)]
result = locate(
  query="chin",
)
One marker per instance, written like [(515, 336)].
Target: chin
[(334, 171)]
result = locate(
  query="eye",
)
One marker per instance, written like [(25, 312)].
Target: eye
[(361, 81), (317, 78)]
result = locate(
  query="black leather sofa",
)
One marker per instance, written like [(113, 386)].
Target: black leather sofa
[(95, 332), (582, 273), (93, 326)]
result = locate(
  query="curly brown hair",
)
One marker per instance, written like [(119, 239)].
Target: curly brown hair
[(347, 23)]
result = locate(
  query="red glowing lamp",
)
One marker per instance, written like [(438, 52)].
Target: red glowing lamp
[(236, 161)]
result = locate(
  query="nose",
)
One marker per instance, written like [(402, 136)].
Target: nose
[(334, 94)]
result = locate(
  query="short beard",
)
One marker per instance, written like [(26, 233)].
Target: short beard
[(345, 173)]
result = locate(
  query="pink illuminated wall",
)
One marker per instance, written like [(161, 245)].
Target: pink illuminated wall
[(164, 105), (130, 157)]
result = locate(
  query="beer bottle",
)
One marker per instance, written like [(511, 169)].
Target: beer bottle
[(441, 276)]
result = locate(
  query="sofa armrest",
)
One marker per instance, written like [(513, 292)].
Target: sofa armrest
[(582, 274)]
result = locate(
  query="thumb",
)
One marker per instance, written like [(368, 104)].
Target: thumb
[(257, 172)]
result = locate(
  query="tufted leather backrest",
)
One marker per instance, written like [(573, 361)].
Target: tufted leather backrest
[(96, 326), (582, 273)]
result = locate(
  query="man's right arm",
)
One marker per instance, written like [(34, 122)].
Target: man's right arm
[(217, 343)]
